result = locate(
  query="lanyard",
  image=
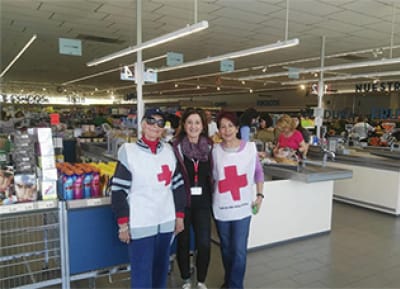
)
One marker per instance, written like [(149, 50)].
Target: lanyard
[(196, 172)]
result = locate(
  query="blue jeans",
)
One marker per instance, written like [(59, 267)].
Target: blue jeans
[(149, 258), (233, 236)]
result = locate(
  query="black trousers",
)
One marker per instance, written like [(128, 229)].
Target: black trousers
[(200, 220)]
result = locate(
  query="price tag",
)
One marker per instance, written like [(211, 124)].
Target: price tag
[(19, 208), (28, 207), (94, 202), (46, 204)]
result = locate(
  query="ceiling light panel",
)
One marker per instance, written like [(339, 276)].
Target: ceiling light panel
[(151, 43)]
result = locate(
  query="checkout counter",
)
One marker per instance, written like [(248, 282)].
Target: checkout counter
[(376, 178), (297, 203)]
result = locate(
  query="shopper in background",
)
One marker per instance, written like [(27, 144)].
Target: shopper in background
[(212, 125), (99, 119), (362, 128), (266, 133), (148, 199), (304, 132), (236, 169), (192, 148), (247, 120), (8, 123), (290, 140)]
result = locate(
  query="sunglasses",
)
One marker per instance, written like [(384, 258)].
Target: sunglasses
[(151, 120)]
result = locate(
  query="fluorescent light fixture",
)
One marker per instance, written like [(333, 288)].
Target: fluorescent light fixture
[(151, 43), (237, 54), (18, 55), (329, 68)]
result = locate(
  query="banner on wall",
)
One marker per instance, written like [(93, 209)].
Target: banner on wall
[(382, 86)]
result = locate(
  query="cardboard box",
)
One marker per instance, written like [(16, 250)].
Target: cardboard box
[(48, 189)]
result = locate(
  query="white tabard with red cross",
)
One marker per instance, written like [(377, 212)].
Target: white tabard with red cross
[(150, 199), (234, 174)]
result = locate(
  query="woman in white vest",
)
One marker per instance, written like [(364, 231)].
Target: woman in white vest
[(236, 170), (148, 199)]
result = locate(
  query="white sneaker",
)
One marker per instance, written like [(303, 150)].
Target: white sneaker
[(187, 285), (201, 285)]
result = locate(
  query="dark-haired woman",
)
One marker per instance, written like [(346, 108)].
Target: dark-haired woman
[(192, 148), (247, 120), (236, 169), (266, 133)]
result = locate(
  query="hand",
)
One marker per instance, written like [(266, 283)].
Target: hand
[(179, 226), (123, 233), (257, 203), (262, 155)]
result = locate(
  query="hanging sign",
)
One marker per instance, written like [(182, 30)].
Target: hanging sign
[(293, 73), (150, 75), (54, 118), (227, 65), (314, 89), (126, 74), (174, 58), (70, 46)]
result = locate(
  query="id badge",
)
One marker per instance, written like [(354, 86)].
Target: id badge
[(196, 191)]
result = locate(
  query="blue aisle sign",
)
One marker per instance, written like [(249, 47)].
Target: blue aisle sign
[(150, 75), (70, 46), (126, 74), (293, 73), (227, 65), (174, 58)]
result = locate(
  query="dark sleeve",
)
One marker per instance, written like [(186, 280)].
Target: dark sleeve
[(178, 189), (120, 186), (306, 135)]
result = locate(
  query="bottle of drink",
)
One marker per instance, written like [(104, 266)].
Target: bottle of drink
[(68, 183), (87, 180), (78, 184), (95, 184)]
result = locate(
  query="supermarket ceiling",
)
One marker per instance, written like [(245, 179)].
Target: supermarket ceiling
[(356, 31)]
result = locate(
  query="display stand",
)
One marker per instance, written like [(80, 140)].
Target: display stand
[(30, 243), (92, 247), (93, 242), (46, 243)]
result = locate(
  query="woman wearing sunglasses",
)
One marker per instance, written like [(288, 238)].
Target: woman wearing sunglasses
[(193, 150), (148, 199)]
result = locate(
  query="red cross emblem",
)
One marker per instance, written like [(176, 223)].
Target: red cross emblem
[(232, 183), (165, 175)]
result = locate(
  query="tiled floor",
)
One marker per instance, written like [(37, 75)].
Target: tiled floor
[(361, 251)]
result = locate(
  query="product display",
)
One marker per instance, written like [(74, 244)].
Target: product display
[(25, 187), (7, 195), (84, 181)]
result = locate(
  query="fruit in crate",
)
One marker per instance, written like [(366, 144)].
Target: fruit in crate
[(88, 134), (374, 141)]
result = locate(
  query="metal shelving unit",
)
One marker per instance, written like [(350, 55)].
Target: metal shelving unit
[(45, 243), (30, 245)]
